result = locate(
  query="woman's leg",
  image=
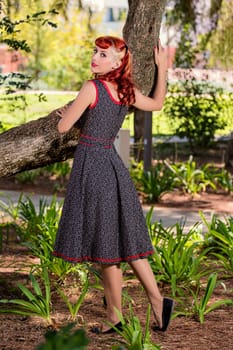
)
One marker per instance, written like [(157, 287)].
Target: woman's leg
[(112, 281), (144, 273)]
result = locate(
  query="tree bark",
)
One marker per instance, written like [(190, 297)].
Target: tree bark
[(141, 32), (38, 143), (35, 144)]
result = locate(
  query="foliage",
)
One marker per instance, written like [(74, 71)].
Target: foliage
[(198, 110), (74, 307), (70, 47), (187, 176), (65, 339), (186, 52), (132, 332), (221, 46), (75, 57), (178, 260), (190, 178), (10, 31), (200, 306), (10, 207), (27, 176), (37, 303), (220, 238), (11, 35), (197, 22), (37, 230), (225, 180), (155, 182)]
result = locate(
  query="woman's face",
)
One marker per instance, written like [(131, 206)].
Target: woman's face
[(104, 60)]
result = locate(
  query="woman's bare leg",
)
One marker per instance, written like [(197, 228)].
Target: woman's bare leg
[(112, 281), (144, 273)]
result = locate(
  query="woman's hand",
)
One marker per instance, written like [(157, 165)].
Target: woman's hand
[(160, 56)]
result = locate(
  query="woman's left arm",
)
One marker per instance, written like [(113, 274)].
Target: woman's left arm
[(155, 102)]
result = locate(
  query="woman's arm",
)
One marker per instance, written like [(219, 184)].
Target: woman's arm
[(155, 102), (71, 114)]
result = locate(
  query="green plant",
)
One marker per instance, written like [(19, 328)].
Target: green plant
[(190, 178), (156, 181), (132, 332), (10, 207), (224, 180), (65, 339), (220, 238), (201, 306), (37, 303), (38, 231), (198, 108), (156, 230), (61, 169), (178, 260), (27, 176), (74, 307)]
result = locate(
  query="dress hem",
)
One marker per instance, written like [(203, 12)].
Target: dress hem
[(103, 260)]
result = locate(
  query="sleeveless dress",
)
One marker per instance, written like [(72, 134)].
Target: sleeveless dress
[(102, 219)]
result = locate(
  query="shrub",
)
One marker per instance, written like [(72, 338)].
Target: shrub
[(198, 109)]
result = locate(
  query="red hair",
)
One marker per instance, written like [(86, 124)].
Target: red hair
[(122, 75)]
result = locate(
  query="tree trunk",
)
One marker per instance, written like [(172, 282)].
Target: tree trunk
[(141, 32), (38, 143), (229, 154)]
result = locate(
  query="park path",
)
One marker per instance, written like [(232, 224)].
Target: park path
[(168, 216)]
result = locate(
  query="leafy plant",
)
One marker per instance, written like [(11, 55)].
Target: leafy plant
[(156, 230), (27, 176), (178, 260), (201, 304), (61, 169), (65, 339), (190, 178), (74, 307), (198, 108), (201, 307), (132, 332), (10, 207), (156, 181), (224, 180), (220, 238), (38, 231), (36, 304)]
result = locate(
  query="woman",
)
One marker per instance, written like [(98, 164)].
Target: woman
[(102, 220)]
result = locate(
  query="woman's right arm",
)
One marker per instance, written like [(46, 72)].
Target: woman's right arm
[(71, 114), (155, 102)]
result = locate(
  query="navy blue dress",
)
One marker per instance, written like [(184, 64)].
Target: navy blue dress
[(102, 219)]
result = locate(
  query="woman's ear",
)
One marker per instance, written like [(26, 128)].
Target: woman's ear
[(116, 65)]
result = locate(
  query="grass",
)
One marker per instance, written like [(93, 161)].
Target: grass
[(34, 109)]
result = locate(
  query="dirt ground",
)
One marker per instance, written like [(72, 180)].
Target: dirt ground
[(186, 333)]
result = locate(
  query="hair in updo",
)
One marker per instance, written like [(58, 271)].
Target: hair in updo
[(122, 75)]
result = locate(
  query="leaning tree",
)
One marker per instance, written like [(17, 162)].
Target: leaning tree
[(38, 143)]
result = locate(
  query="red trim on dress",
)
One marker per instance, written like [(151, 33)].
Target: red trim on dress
[(95, 138), (96, 96), (110, 93), (103, 260)]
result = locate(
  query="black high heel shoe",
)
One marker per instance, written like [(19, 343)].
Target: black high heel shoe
[(168, 305), (98, 330)]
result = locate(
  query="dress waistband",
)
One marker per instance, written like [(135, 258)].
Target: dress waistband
[(89, 140)]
